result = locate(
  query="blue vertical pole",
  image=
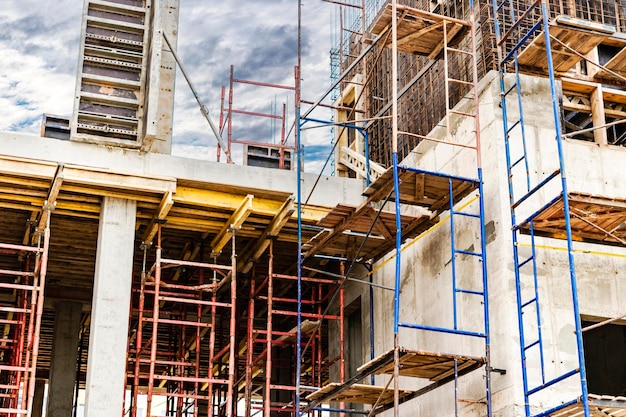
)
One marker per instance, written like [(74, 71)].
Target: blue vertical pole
[(367, 157), (453, 255), (396, 294), (371, 289), (299, 151), (483, 244), (566, 212)]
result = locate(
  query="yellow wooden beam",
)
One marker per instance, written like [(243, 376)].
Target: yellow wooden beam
[(226, 201), (234, 223), (51, 201), (164, 207), (271, 230)]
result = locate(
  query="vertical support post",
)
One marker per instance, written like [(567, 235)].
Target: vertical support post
[(38, 293), (231, 402), (64, 353), (250, 351), (269, 329), (394, 138), (212, 338), (566, 211), (37, 407), (598, 116), (106, 368)]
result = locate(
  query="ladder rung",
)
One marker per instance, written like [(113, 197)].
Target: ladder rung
[(15, 309), (526, 261), (471, 292), (529, 302), (462, 213), (10, 411), (514, 164), (460, 51), (511, 88), (535, 343), (462, 113), (513, 126), (457, 81), (466, 252)]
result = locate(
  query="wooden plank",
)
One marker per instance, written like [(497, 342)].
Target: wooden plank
[(356, 394), (159, 217), (617, 63), (420, 32), (580, 40), (234, 223)]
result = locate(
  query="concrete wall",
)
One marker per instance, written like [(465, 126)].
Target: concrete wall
[(426, 269)]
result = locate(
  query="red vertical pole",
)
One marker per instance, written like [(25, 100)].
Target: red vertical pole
[(230, 109), (138, 345), (155, 321), (283, 120), (250, 351), (212, 337), (43, 269), (196, 387), (342, 333), (231, 401), (221, 126), (268, 336)]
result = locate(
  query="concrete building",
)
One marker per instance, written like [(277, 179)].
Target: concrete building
[(468, 258)]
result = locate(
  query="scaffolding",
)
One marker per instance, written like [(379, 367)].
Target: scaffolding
[(271, 150), (20, 317), (366, 233), (183, 346), (541, 204)]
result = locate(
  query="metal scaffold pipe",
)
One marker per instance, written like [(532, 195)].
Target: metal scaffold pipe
[(203, 108)]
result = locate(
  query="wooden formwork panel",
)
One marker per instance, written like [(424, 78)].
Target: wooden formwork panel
[(599, 406), (593, 218), (429, 190), (362, 232), (567, 39), (356, 394), (424, 365)]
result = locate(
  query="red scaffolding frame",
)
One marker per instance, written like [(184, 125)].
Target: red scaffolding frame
[(179, 321), (21, 321), (228, 110), (270, 345)]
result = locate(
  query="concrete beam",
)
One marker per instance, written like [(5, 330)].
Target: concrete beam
[(106, 367), (329, 190)]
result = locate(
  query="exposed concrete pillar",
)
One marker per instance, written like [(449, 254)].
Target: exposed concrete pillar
[(63, 364), (40, 388), (106, 367)]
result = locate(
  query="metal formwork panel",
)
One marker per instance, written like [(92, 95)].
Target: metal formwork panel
[(112, 72)]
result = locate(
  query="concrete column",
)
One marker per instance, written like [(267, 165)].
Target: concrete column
[(63, 364), (106, 367), (40, 388)]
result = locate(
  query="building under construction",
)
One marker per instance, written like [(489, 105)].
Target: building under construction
[(467, 258)]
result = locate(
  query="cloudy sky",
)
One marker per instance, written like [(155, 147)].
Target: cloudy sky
[(39, 44)]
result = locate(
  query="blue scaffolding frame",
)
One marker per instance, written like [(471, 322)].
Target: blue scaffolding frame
[(451, 198), (508, 24)]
